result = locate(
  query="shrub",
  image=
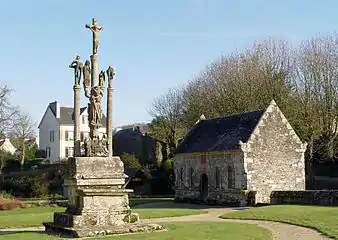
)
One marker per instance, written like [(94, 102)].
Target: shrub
[(27, 186), (130, 161), (8, 202)]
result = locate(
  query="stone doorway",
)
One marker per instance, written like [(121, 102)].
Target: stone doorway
[(203, 186)]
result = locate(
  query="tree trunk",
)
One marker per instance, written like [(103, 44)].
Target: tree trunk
[(309, 164), (22, 155)]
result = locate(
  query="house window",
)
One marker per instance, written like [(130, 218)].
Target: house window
[(191, 177), (69, 152), (66, 135), (217, 178), (48, 152), (51, 136), (181, 175), (82, 136), (71, 136), (231, 176), (83, 119)]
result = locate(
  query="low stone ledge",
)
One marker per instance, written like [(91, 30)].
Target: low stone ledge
[(232, 198), (92, 231), (307, 197)]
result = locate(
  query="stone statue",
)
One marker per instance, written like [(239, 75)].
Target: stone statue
[(86, 77), (87, 147), (104, 144), (95, 112), (102, 79), (77, 65), (95, 29), (110, 73)]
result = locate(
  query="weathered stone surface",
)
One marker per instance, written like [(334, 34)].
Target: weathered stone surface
[(310, 197), (97, 201), (272, 159), (95, 168), (92, 231)]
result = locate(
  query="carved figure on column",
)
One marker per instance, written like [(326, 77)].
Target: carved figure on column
[(95, 29), (110, 73), (77, 66), (95, 113), (86, 78), (102, 79)]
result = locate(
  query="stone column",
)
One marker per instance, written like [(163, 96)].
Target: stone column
[(95, 69), (77, 140), (109, 124)]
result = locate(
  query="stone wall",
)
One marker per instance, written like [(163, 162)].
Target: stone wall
[(310, 197), (188, 186), (232, 198), (274, 156)]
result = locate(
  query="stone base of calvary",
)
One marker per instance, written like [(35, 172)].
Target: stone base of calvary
[(97, 201)]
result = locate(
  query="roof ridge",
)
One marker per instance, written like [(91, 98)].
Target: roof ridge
[(234, 115)]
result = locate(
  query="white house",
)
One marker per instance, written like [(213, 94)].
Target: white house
[(56, 131), (7, 146)]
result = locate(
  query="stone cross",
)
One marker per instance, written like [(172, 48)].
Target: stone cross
[(95, 29)]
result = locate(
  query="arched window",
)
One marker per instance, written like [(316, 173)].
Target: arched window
[(191, 182), (181, 175), (217, 178), (231, 176)]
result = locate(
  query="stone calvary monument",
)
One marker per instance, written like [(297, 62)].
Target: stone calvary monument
[(97, 200)]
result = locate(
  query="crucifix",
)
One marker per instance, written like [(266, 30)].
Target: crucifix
[(95, 29)]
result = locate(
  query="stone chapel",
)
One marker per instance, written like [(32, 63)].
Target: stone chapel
[(240, 159)]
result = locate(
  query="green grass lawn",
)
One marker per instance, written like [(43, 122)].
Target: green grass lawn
[(323, 219), (28, 217), (182, 231)]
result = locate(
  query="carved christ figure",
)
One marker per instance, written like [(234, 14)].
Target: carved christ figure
[(86, 78), (77, 65), (95, 29)]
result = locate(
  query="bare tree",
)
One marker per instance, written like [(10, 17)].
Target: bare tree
[(24, 128), (242, 82), (7, 110), (167, 113), (317, 92)]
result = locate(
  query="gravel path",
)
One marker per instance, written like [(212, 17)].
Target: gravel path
[(280, 231)]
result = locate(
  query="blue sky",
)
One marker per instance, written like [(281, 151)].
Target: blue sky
[(152, 44)]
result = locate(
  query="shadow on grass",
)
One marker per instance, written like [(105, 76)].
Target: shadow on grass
[(8, 232)]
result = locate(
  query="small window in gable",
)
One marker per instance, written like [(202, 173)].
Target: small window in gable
[(51, 136)]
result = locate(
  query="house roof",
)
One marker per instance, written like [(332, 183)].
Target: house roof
[(219, 134), (66, 115)]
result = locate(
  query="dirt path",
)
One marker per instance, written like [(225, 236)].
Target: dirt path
[(280, 231)]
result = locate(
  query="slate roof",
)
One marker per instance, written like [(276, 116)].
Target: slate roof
[(220, 134), (66, 116)]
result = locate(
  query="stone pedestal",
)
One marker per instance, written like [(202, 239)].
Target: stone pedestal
[(97, 201)]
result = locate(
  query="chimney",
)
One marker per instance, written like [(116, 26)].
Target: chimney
[(55, 106)]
